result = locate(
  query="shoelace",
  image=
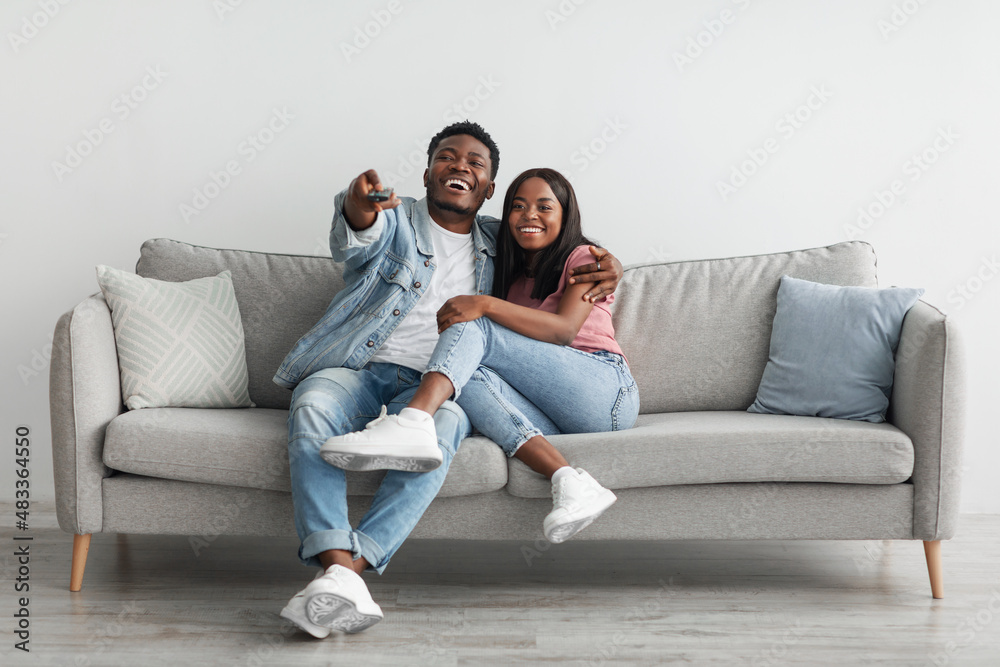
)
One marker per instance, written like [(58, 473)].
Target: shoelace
[(383, 416), (558, 491), (358, 435)]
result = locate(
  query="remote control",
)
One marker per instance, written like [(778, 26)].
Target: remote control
[(380, 195)]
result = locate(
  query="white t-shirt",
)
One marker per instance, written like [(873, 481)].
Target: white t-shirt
[(413, 341)]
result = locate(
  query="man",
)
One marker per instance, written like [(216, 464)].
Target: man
[(404, 258)]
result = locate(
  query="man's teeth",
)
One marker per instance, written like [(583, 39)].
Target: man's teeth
[(461, 184)]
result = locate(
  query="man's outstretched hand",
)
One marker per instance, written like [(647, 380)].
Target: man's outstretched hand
[(358, 209), (607, 272)]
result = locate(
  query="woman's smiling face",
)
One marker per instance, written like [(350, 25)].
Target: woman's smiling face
[(535, 216)]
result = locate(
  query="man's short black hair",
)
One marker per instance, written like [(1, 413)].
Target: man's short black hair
[(475, 131)]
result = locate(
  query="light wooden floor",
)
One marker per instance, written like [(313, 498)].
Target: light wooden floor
[(149, 600)]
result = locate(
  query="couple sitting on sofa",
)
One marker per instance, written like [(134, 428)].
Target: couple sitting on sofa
[(415, 326)]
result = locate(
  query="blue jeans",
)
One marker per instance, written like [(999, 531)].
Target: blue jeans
[(335, 401), (514, 388)]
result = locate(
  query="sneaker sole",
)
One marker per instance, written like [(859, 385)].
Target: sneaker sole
[(567, 530), (317, 631), (337, 613), (346, 461)]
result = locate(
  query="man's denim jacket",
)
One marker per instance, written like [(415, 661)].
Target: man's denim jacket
[(387, 269)]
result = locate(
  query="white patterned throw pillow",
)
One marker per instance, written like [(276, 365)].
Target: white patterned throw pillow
[(179, 344)]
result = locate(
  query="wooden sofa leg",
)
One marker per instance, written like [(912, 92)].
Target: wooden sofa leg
[(932, 552), (81, 545)]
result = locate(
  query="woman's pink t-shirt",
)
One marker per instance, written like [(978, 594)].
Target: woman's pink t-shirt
[(597, 333)]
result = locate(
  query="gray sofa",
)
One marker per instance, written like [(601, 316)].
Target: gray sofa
[(696, 466)]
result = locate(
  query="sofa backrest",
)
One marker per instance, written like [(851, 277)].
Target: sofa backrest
[(697, 333), (280, 297)]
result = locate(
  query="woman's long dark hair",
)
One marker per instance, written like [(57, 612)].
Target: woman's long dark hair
[(511, 261)]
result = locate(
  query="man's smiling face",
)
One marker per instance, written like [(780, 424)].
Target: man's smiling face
[(458, 178)]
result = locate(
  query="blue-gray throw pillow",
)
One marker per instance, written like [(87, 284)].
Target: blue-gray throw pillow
[(832, 350)]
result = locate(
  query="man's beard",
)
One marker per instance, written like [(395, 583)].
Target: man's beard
[(454, 208)]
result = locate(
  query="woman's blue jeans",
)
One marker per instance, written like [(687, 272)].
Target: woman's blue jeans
[(335, 401), (514, 388)]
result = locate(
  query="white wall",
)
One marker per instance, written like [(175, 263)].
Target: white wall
[(545, 79)]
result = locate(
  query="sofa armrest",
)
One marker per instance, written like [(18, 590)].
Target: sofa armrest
[(928, 404), (84, 396)]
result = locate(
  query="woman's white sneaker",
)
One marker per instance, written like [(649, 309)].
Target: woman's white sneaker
[(389, 442), (577, 499)]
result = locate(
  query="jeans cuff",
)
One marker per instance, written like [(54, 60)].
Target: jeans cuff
[(372, 552), (445, 372), (359, 544), (510, 452), (324, 540)]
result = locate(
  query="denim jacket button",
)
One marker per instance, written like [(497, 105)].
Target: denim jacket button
[(417, 284), (427, 262), (371, 343), (396, 312)]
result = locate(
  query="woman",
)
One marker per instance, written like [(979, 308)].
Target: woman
[(533, 359)]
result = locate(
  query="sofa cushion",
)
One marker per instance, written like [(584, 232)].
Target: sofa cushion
[(832, 350), (717, 447), (179, 343), (696, 333), (281, 297), (249, 448)]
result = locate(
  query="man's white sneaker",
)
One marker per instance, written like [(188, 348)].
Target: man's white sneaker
[(577, 499), (387, 443), (295, 611), (339, 600)]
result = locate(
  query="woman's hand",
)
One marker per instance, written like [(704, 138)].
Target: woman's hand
[(607, 271), (462, 309)]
